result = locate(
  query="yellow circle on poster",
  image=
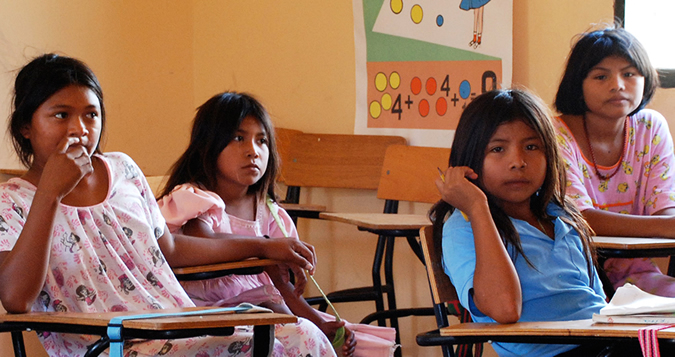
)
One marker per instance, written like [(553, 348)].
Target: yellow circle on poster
[(375, 109), (416, 14), (386, 101), (394, 80), (396, 6), (381, 81)]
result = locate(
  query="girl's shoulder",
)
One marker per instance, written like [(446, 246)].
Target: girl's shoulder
[(649, 119), (188, 201), (188, 196)]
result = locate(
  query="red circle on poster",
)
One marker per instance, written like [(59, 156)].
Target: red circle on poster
[(431, 85), (441, 106), (416, 85), (424, 107)]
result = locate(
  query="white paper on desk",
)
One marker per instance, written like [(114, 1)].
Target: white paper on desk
[(630, 300)]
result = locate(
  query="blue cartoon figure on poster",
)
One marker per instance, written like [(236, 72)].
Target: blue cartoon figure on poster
[(477, 6)]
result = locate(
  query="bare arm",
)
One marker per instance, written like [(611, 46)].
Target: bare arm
[(183, 250), (606, 223), (20, 285), (496, 285)]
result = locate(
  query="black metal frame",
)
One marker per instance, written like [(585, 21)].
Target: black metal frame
[(263, 335), (384, 256), (434, 338)]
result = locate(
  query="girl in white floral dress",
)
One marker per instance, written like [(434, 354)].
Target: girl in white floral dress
[(81, 230)]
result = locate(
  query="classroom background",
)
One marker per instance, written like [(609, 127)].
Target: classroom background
[(159, 59)]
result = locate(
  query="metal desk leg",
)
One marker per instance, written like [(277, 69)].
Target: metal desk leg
[(377, 279), (671, 266), (263, 340), (17, 343), (98, 347)]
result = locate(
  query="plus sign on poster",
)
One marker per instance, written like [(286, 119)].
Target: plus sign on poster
[(420, 62)]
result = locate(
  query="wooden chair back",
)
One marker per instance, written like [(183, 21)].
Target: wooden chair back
[(6, 174), (337, 160), (409, 172), (443, 293), (284, 139), (442, 290)]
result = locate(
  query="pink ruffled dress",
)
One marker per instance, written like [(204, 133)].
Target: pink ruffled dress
[(188, 202)]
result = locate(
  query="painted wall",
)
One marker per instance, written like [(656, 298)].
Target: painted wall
[(158, 60)]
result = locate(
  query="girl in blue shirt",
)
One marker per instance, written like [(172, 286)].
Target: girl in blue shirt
[(514, 248)]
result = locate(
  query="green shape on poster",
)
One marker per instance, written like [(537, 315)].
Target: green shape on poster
[(387, 48)]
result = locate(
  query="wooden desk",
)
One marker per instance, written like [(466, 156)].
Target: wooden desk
[(636, 247), (303, 210), (387, 226), (244, 267), (381, 221), (220, 324), (555, 332)]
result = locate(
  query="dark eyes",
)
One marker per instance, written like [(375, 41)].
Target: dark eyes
[(262, 141), (64, 115)]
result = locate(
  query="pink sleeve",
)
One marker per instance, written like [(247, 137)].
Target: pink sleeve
[(186, 202), (286, 221), (574, 167), (658, 176)]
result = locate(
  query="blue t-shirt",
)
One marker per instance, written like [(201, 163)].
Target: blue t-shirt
[(557, 288)]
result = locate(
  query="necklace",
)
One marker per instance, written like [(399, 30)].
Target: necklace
[(590, 146)]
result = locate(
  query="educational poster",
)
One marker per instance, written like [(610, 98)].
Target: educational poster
[(419, 62)]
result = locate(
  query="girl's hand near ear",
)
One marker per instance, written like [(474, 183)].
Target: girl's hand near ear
[(65, 167), (458, 191)]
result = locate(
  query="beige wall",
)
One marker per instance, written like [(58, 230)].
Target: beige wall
[(157, 60)]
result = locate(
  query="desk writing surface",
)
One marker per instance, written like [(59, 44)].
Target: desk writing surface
[(577, 328), (248, 263), (377, 221), (302, 207), (629, 243), (94, 319)]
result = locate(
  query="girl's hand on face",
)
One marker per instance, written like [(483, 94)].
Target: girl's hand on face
[(458, 191), (66, 167)]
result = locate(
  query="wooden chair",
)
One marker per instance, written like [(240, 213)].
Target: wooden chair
[(408, 174), (443, 294), (6, 174), (334, 161), (331, 161)]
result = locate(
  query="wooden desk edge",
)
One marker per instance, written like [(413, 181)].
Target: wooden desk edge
[(303, 207), (248, 263), (578, 328), (94, 319), (375, 221)]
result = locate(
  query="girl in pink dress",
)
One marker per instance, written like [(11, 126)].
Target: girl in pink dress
[(619, 155), (82, 232), (224, 182)]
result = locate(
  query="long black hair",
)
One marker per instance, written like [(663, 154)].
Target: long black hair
[(589, 50), (213, 128), (477, 124), (35, 83)]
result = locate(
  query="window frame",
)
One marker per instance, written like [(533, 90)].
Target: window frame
[(666, 76)]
